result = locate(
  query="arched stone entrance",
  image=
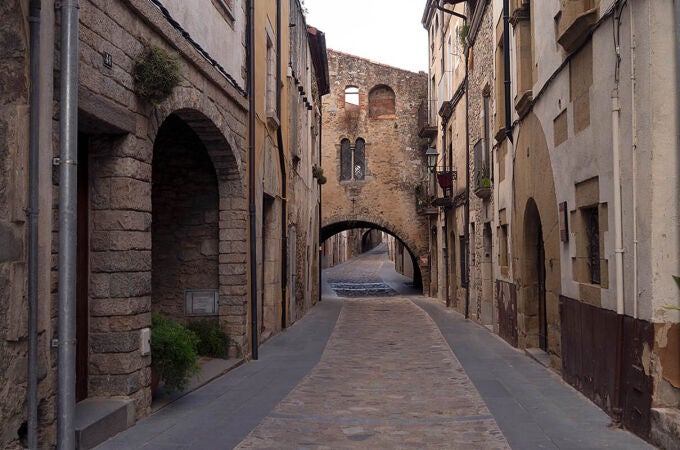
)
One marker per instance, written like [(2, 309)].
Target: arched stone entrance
[(536, 243), (533, 289), (199, 221), (339, 224), (184, 225)]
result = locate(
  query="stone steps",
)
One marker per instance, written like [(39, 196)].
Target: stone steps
[(98, 419)]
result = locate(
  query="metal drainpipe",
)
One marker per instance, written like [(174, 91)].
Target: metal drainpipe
[(506, 68), (32, 213), (618, 230), (467, 185), (68, 198), (618, 250), (250, 52), (282, 164), (320, 192)]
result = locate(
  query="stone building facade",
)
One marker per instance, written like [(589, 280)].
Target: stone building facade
[(162, 216), (372, 155), (568, 260)]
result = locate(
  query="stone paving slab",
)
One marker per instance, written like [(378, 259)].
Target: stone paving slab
[(387, 379)]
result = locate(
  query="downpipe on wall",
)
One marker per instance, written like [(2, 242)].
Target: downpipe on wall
[(32, 214), (250, 50), (284, 179), (68, 198), (618, 250)]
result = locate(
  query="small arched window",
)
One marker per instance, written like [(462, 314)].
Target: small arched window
[(352, 95), (352, 160), (381, 101), (359, 159), (345, 160)]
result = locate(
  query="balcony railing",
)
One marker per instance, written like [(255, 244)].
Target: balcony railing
[(427, 129), (424, 200)]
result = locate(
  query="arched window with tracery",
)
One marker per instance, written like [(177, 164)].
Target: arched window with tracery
[(353, 159)]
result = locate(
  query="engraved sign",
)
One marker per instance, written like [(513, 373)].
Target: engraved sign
[(200, 302)]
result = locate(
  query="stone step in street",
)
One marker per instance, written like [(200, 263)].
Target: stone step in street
[(359, 289)]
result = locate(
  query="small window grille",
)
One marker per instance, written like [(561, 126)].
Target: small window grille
[(592, 223)]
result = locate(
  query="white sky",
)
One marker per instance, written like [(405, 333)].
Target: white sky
[(386, 31)]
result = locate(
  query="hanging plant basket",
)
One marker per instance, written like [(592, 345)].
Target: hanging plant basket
[(317, 172), (156, 75)]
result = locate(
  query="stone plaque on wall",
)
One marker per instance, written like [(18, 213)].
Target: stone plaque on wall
[(201, 302)]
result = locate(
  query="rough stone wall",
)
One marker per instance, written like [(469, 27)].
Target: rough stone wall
[(124, 129), (302, 150), (481, 84), (13, 146), (386, 197)]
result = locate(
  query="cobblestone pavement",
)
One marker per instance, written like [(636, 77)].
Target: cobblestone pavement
[(361, 276), (387, 379), (379, 372)]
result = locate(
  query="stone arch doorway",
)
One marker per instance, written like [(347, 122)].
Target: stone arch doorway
[(536, 242), (333, 228), (199, 222), (535, 317), (185, 224)]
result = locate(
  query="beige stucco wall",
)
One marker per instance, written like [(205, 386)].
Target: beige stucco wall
[(217, 31)]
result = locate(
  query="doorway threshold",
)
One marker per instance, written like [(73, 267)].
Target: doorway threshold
[(539, 356)]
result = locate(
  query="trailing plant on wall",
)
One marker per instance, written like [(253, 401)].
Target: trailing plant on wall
[(156, 75), (317, 172)]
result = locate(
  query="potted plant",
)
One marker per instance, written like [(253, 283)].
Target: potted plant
[(483, 182), (174, 357), (317, 172)]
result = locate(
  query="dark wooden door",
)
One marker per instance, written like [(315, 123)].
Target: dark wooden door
[(542, 314), (82, 271)]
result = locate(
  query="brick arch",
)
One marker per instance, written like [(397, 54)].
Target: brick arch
[(381, 102), (211, 128)]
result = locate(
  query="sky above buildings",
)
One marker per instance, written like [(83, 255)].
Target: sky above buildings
[(386, 31)]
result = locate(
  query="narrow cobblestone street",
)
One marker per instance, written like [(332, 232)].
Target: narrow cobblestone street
[(380, 372)]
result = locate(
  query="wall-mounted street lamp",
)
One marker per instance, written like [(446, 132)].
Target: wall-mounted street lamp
[(432, 156)]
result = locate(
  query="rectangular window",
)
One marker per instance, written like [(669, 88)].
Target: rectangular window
[(503, 246), (592, 223)]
